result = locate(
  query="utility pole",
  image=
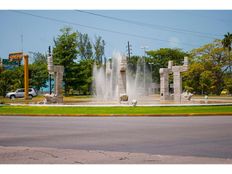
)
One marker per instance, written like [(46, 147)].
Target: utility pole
[(129, 49)]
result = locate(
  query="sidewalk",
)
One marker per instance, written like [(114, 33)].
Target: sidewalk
[(28, 155)]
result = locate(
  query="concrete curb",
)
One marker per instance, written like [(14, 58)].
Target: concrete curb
[(121, 105)]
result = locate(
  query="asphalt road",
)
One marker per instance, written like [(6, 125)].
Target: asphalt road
[(183, 136)]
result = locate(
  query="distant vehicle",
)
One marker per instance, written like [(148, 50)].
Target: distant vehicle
[(19, 93)]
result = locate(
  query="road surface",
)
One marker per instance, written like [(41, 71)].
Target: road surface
[(182, 136)]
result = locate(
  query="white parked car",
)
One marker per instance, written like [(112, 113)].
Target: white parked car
[(19, 93)]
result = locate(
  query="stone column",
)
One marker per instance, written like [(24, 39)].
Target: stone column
[(122, 77), (177, 79), (59, 71), (108, 85), (164, 83), (177, 83)]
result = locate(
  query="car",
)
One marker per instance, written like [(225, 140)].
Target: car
[(19, 93)]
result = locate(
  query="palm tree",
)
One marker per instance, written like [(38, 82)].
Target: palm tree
[(226, 42)]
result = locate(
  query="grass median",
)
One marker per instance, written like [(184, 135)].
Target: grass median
[(115, 111)]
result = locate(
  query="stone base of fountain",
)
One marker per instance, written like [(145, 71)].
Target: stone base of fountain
[(134, 103), (51, 98), (186, 96), (123, 98)]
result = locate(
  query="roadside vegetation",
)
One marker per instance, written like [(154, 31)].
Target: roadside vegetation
[(210, 69), (112, 111)]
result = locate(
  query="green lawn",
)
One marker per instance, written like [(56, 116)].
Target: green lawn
[(178, 110)]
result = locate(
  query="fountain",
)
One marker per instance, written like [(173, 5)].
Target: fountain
[(115, 81)]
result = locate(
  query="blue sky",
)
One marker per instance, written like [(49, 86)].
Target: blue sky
[(162, 28)]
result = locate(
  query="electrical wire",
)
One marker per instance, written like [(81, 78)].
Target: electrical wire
[(155, 26), (99, 29)]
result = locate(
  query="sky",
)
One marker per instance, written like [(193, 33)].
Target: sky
[(35, 30)]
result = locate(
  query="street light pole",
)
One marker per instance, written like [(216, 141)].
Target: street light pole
[(50, 76)]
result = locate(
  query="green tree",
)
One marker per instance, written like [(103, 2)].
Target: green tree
[(84, 76), (65, 53), (214, 61), (226, 42), (38, 73), (159, 59), (18, 77), (228, 83), (99, 48), (5, 82), (191, 78), (206, 82), (10, 80), (84, 46)]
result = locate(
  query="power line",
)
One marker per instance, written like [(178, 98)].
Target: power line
[(154, 26), (99, 29)]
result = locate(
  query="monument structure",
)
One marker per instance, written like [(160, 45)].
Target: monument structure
[(164, 82), (57, 71), (177, 81), (122, 80), (108, 79), (116, 81)]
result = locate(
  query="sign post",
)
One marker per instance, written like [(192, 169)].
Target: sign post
[(18, 56)]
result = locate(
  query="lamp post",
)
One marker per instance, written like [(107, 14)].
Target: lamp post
[(50, 76)]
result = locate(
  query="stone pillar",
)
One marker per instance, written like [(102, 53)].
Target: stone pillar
[(59, 71), (122, 77), (108, 85), (177, 79), (177, 83), (164, 83)]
